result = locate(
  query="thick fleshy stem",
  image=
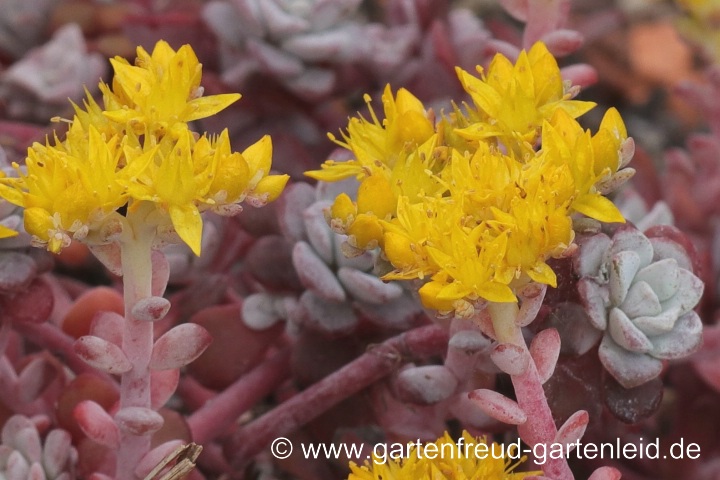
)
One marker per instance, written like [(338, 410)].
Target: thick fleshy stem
[(539, 428), (213, 418), (376, 363), (136, 250)]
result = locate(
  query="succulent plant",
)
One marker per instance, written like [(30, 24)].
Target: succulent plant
[(38, 86), (300, 44), (641, 293), (337, 290), (22, 25), (23, 455)]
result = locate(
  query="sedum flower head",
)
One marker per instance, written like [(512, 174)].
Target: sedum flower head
[(453, 462), (139, 150), (474, 216)]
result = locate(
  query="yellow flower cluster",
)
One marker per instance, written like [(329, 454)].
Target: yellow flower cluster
[(473, 459), (476, 203), (139, 150)]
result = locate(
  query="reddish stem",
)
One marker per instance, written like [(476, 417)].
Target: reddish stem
[(376, 363), (214, 418)]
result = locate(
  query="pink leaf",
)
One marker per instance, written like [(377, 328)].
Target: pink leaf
[(102, 354), (563, 42), (315, 275), (97, 424), (151, 309), (155, 456), (57, 452), (531, 296), (33, 379), (163, 384), (138, 420), (605, 473), (160, 273), (573, 429), (108, 326), (511, 359), (545, 350), (498, 406), (179, 346), (109, 255)]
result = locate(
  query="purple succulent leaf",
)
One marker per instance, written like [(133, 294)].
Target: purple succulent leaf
[(151, 459), (545, 350), (27, 441), (657, 324), (326, 13), (109, 255), (138, 420), (626, 334), (630, 239), (592, 254), (315, 275), (179, 346), (630, 369), (16, 271), (684, 339), (511, 359), (469, 413), (318, 232), (279, 22), (163, 384), (605, 473), (563, 42), (498, 406), (426, 385), (36, 472), (223, 19), (17, 468), (363, 262), (294, 200), (368, 288), (662, 276), (312, 83), (572, 430), (640, 301), (57, 452), (97, 424), (275, 61), (623, 267), (33, 379), (616, 180), (259, 312), (150, 309), (329, 317), (595, 299), (517, 8), (252, 22), (160, 273), (688, 295), (531, 298), (338, 45), (468, 36), (108, 326), (399, 314), (101, 354)]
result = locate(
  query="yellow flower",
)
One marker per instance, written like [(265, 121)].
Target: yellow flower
[(513, 100), (140, 153), (377, 144), (160, 90), (471, 459)]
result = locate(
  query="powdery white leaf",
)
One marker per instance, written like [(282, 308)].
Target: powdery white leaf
[(101, 354), (56, 453), (179, 346), (630, 369), (498, 406), (138, 420), (369, 288), (427, 384), (151, 309), (573, 429), (545, 350), (511, 359), (315, 275), (155, 456)]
